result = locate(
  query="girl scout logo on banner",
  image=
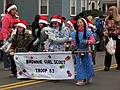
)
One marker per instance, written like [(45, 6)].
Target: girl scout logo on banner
[(45, 65)]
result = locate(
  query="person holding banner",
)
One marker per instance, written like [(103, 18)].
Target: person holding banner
[(82, 38), (58, 36), (20, 43)]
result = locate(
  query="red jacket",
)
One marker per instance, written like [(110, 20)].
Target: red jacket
[(7, 22)]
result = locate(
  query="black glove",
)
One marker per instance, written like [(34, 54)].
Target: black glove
[(73, 51)]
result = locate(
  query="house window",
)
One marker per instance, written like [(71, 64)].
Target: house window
[(43, 7), (83, 8), (93, 6), (83, 5), (72, 7), (104, 8)]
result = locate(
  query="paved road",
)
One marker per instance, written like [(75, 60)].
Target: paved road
[(102, 81)]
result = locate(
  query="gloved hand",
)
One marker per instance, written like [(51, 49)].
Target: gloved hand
[(51, 36), (11, 53), (36, 42), (85, 42), (73, 51)]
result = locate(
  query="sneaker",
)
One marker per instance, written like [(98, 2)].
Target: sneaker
[(12, 75), (80, 83)]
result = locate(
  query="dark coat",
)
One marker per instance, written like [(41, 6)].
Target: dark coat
[(21, 43)]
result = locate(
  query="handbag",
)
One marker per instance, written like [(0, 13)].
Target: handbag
[(111, 46)]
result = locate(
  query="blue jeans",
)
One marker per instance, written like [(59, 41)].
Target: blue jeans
[(5, 60)]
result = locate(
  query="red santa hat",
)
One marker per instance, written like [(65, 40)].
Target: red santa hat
[(84, 21), (57, 18), (10, 6), (71, 22), (90, 24), (43, 19), (23, 23)]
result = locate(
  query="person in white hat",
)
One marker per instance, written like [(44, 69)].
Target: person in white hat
[(38, 33), (59, 36), (70, 28), (20, 43), (6, 29), (82, 38)]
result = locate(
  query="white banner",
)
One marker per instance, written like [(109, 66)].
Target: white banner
[(45, 65)]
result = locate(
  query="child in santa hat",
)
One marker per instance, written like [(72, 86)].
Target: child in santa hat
[(92, 27), (20, 43), (40, 37), (58, 36), (70, 24), (70, 28), (82, 38)]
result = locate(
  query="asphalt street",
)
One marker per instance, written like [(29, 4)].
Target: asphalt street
[(102, 80)]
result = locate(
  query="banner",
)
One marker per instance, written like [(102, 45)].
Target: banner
[(45, 65)]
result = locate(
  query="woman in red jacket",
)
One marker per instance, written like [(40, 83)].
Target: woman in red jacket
[(7, 25)]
